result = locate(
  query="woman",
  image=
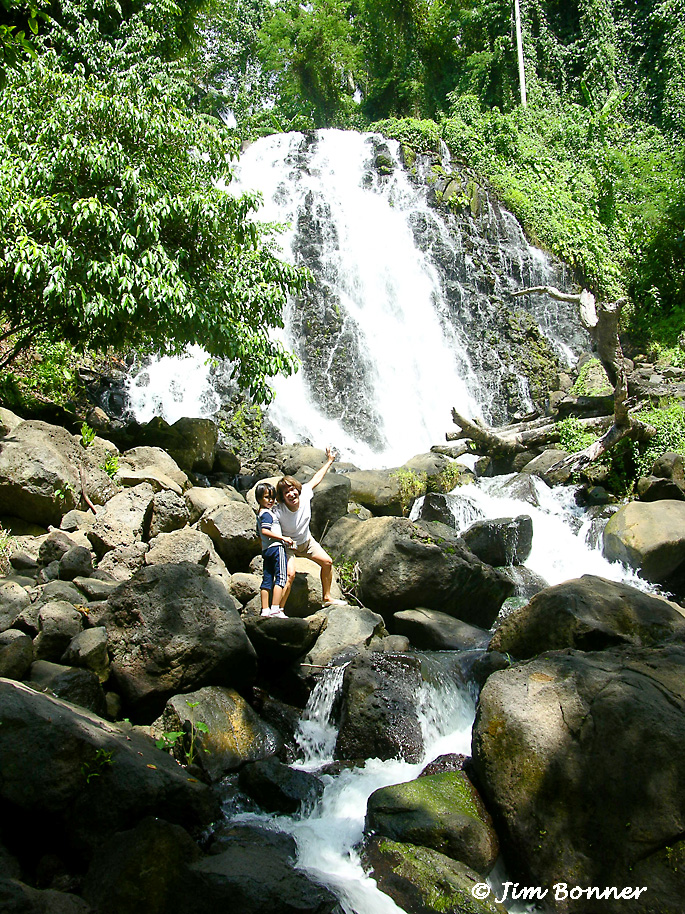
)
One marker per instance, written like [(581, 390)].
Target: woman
[(294, 512)]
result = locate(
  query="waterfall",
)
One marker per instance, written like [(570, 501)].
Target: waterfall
[(409, 301)]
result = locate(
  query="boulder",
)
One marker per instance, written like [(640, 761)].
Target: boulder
[(13, 601), (77, 686), (8, 421), (231, 734), (245, 586), (88, 650), (72, 778), (379, 708), (580, 759), (649, 537), (154, 466), (169, 512), (542, 466), (187, 545), (123, 520), (441, 811), (190, 442), (58, 623), (122, 562), (280, 789), (200, 499), (424, 881), (329, 502), (16, 654), (43, 471), (406, 564), (431, 630), (173, 628), (667, 479), (252, 870), (589, 614), (232, 527), (282, 641), (76, 562), (377, 490), (348, 628), (142, 870), (501, 541), (296, 456), (18, 898), (436, 506)]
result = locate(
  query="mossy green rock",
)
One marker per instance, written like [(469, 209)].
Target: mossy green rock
[(441, 811), (424, 881)]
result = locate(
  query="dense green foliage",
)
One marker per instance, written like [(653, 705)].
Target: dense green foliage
[(588, 167), (112, 229)]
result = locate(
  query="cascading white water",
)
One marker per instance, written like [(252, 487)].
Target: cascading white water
[(328, 837), (399, 285), (388, 290)]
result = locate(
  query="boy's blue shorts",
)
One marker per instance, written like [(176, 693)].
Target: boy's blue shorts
[(275, 567)]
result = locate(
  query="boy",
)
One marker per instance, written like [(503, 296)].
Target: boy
[(273, 551)]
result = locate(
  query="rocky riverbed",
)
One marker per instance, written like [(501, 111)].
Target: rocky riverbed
[(129, 619)]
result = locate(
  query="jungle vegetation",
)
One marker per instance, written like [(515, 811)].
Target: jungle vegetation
[(118, 117)]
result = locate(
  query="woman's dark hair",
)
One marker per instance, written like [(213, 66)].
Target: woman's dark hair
[(286, 482), (262, 489)]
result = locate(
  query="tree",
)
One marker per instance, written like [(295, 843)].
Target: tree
[(113, 231), (15, 47), (311, 58)]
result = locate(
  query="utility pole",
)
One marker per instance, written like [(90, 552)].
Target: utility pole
[(519, 47)]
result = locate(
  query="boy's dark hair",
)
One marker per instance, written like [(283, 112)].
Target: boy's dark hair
[(262, 489), (286, 482)]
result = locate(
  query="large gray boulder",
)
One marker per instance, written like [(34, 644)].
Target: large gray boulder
[(329, 502), (43, 472), (282, 641), (187, 545), (589, 614), (502, 540), (232, 527), (379, 708), (580, 759), (14, 599), (348, 628), (78, 778), (431, 630), (406, 564), (173, 628), (377, 490), (154, 466), (200, 499), (123, 520), (156, 867), (649, 537), (190, 442)]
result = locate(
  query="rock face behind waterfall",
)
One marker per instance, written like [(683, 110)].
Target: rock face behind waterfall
[(435, 257)]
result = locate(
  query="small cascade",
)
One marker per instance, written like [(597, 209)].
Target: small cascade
[(317, 733), (566, 544)]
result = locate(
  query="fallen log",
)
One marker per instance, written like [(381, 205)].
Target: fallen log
[(517, 437)]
